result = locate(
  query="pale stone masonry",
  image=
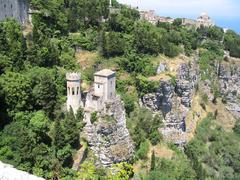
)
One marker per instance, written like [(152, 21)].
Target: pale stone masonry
[(104, 84), (202, 20), (8, 172), (16, 9), (151, 17), (73, 91), (104, 90)]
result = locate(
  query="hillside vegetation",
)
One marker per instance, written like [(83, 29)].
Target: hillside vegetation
[(39, 136)]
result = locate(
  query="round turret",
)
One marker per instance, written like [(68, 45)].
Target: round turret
[(73, 91)]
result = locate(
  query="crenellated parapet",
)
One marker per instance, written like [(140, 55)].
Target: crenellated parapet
[(73, 76)]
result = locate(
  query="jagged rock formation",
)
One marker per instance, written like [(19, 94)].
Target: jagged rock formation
[(109, 138), (7, 172), (229, 78), (173, 100)]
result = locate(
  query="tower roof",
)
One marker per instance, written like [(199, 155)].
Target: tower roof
[(73, 76), (104, 73)]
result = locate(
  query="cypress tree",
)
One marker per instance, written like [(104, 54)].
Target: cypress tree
[(153, 161), (71, 131), (58, 136)]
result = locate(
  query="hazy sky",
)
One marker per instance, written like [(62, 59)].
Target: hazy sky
[(226, 13)]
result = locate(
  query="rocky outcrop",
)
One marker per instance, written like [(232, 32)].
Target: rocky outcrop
[(161, 68), (229, 78), (173, 100), (8, 172), (109, 138)]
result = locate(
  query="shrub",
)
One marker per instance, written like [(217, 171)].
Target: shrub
[(236, 128), (94, 117), (143, 150)]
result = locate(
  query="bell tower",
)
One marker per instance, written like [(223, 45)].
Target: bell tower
[(73, 91)]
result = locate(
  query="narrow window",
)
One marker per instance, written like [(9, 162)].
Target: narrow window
[(73, 91), (78, 91), (5, 6), (98, 86), (111, 83), (11, 6), (69, 90), (110, 95)]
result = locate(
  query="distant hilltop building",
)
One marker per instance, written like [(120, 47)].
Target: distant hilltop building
[(103, 91), (205, 20), (151, 17), (16, 9), (202, 20)]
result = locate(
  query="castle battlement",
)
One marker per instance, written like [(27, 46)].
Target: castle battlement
[(74, 76)]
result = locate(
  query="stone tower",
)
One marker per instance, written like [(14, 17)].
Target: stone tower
[(104, 84), (110, 3), (17, 9), (73, 91)]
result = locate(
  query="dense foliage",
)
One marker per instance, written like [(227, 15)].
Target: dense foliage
[(39, 136), (213, 152)]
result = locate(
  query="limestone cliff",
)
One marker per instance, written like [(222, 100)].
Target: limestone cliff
[(229, 79), (108, 137), (173, 100)]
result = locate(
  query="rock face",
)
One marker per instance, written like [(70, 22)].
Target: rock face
[(173, 100), (161, 68), (229, 78), (109, 138), (7, 172)]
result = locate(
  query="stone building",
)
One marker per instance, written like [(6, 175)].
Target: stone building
[(104, 84), (151, 17), (17, 9), (73, 91), (102, 91), (204, 20)]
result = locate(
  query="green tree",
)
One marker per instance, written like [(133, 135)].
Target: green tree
[(143, 150), (16, 89), (148, 38), (153, 161), (236, 128), (45, 91), (114, 44), (39, 124), (93, 117), (58, 135), (71, 131)]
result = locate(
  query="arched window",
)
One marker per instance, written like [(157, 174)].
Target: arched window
[(73, 91)]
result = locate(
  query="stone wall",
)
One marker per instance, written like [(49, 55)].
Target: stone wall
[(8, 172), (17, 9)]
